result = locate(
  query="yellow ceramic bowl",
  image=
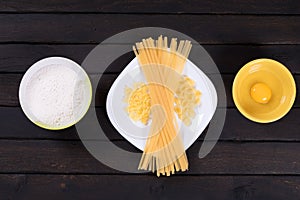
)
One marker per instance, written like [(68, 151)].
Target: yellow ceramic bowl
[(264, 90)]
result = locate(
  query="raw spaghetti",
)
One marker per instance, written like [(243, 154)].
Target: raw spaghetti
[(162, 66)]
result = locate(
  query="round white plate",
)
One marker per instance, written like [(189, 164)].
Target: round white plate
[(55, 61), (135, 132)]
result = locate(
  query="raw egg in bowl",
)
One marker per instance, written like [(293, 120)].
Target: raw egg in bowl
[(264, 90)]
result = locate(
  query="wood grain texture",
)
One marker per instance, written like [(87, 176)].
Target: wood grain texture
[(228, 58), (94, 28), (21, 186), (234, 128), (156, 6), (251, 160), (35, 156), (9, 87)]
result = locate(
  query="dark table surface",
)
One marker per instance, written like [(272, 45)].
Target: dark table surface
[(250, 161)]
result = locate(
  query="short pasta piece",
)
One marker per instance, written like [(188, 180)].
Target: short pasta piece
[(139, 103), (187, 98)]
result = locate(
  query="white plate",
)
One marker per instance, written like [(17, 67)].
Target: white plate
[(135, 132)]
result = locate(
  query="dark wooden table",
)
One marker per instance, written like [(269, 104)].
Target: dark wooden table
[(251, 161)]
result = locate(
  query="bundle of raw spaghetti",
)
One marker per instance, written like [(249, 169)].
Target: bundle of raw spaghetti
[(162, 66)]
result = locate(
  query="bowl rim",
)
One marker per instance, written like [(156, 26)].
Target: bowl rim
[(38, 65), (241, 109)]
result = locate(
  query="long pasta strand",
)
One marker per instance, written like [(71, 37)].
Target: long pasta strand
[(164, 150)]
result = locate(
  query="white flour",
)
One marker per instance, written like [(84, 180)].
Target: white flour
[(54, 95)]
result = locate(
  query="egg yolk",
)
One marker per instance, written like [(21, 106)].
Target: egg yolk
[(261, 93)]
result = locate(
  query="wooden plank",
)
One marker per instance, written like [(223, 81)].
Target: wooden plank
[(240, 128), (94, 28), (165, 6), (23, 186), (228, 58), (27, 130), (226, 158), (19, 57), (9, 86), (236, 128)]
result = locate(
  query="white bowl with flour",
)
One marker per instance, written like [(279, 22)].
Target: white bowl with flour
[(55, 93)]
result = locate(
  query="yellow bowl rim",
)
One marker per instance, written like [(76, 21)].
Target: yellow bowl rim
[(239, 107)]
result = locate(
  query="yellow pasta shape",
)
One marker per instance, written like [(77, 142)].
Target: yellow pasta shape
[(139, 102), (187, 99), (164, 151)]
